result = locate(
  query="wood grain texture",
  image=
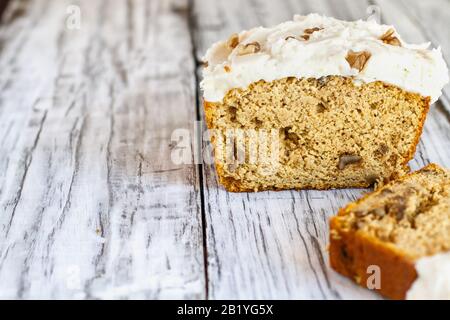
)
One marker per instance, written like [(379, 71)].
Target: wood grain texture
[(91, 204), (272, 245)]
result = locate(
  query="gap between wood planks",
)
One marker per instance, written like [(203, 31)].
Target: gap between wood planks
[(198, 141)]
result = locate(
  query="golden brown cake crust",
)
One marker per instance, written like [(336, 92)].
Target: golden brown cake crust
[(236, 185), (352, 251), (351, 254)]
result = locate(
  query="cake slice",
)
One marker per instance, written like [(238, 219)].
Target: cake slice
[(317, 103), (401, 229)]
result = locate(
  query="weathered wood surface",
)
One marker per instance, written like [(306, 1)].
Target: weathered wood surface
[(91, 204)]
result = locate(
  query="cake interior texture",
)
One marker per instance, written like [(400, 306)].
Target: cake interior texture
[(331, 131), (412, 216)]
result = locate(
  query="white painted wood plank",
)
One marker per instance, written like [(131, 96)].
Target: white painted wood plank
[(91, 205), (272, 245)]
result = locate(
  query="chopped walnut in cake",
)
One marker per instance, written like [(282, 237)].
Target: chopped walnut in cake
[(389, 38), (347, 159), (358, 60)]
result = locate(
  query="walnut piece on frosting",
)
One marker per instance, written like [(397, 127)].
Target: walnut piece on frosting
[(306, 34), (358, 60), (249, 48), (389, 38), (233, 41), (312, 30)]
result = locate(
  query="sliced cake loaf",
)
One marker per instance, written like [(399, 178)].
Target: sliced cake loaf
[(403, 229), (317, 103)]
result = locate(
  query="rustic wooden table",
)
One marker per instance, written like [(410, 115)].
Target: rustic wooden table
[(91, 205)]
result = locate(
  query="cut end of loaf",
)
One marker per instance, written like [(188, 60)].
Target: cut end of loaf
[(319, 134), (392, 228)]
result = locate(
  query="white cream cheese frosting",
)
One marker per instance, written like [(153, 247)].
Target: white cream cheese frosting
[(284, 53), (433, 280)]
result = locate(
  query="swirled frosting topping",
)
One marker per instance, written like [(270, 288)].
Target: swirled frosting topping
[(315, 46)]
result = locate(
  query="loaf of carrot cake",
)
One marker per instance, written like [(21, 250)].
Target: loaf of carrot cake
[(317, 103), (401, 231)]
